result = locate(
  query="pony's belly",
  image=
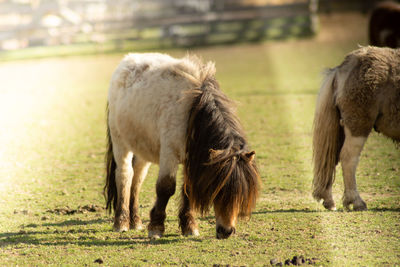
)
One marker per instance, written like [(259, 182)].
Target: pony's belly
[(389, 129), (143, 146), (146, 152), (388, 122)]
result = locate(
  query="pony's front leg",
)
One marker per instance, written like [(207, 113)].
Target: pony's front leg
[(165, 188), (123, 179), (349, 156), (186, 217)]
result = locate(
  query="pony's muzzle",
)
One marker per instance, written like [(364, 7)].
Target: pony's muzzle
[(223, 233)]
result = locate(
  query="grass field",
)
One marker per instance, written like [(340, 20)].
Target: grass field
[(52, 142)]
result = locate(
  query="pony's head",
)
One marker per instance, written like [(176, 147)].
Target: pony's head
[(235, 196), (229, 181), (219, 168)]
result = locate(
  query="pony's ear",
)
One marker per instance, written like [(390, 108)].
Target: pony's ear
[(215, 153), (249, 156)]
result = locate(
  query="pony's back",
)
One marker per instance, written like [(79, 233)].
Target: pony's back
[(149, 102)]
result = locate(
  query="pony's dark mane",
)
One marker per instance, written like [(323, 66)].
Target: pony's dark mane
[(216, 169)]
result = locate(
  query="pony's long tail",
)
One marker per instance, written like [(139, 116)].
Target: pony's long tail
[(110, 189), (328, 136)]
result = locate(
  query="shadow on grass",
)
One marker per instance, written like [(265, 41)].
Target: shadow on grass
[(385, 209), (77, 222), (83, 237), (286, 211), (323, 211), (15, 239), (79, 239)]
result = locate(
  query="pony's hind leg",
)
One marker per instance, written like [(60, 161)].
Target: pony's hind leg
[(349, 157), (123, 179), (327, 197), (140, 168), (165, 188), (187, 221)]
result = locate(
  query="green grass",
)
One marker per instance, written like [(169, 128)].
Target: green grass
[(53, 140)]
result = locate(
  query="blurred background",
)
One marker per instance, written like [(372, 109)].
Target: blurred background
[(125, 24)]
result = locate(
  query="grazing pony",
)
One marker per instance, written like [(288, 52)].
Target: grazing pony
[(171, 111), (384, 25), (360, 94)]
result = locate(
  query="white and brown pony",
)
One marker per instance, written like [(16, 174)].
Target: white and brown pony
[(384, 25), (361, 94), (171, 111)]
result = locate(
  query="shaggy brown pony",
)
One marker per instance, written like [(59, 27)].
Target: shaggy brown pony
[(384, 25), (171, 111), (361, 94)]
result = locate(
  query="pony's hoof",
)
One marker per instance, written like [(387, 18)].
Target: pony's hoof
[(155, 231), (360, 206), (194, 232), (155, 235), (329, 205), (121, 224), (137, 226), (121, 229), (357, 206)]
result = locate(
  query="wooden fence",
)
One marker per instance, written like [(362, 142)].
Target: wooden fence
[(25, 23), (228, 22)]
